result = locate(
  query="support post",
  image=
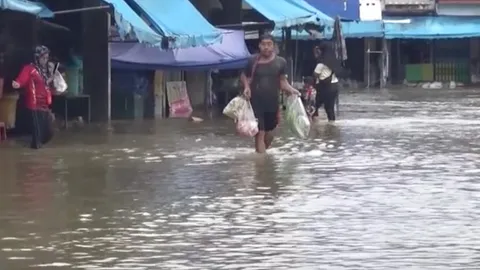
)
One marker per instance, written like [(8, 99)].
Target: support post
[(368, 53), (288, 56), (399, 62), (288, 53), (433, 57), (96, 61), (384, 67), (109, 72)]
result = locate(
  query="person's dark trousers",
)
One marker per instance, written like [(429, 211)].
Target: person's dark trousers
[(327, 95), (42, 128), (330, 101)]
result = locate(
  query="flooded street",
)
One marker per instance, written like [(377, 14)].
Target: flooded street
[(393, 185)]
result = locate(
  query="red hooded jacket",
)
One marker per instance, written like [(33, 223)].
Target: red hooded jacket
[(38, 95)]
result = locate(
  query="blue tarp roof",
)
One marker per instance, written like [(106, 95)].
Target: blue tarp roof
[(129, 22), (230, 53), (433, 27), (37, 9), (178, 19), (345, 9), (349, 30), (288, 13), (440, 27), (361, 29)]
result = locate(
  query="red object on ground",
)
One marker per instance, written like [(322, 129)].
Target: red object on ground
[(3, 132)]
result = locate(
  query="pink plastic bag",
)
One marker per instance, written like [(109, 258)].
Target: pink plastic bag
[(247, 124)]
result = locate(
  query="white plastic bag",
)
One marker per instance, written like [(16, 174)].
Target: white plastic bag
[(296, 117), (247, 124), (59, 82), (235, 107)]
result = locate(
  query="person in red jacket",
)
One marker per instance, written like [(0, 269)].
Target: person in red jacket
[(35, 78)]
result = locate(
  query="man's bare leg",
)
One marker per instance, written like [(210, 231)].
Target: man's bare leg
[(268, 139), (260, 142)]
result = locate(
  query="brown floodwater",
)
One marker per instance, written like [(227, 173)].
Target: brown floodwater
[(392, 185)]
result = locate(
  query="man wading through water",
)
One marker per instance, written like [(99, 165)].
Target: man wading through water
[(263, 78)]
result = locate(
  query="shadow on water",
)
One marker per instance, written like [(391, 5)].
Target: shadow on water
[(391, 185)]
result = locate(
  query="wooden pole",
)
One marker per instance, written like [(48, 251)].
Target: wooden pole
[(80, 10), (109, 72)]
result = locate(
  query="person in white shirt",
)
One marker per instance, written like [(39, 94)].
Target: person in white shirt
[(326, 80)]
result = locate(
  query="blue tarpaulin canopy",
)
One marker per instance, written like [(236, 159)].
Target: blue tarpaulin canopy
[(230, 53), (129, 22), (440, 27), (362, 29), (37, 9), (289, 13), (180, 20), (351, 29)]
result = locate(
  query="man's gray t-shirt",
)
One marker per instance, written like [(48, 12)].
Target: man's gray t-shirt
[(265, 83)]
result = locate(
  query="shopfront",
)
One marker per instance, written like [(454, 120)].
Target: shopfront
[(76, 34)]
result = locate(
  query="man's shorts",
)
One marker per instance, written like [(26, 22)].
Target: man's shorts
[(267, 121)]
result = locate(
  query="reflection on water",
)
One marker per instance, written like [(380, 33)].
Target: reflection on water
[(390, 186)]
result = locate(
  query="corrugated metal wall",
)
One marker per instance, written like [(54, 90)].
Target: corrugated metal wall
[(458, 2), (409, 2), (408, 6), (459, 10)]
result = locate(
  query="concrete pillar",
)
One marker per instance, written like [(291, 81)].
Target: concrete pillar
[(475, 63), (474, 48), (366, 59), (96, 60)]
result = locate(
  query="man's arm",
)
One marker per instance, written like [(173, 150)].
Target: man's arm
[(246, 73), (244, 80), (286, 87), (284, 84)]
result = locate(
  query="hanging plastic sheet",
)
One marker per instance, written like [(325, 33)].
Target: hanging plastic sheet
[(129, 22), (339, 41), (349, 30)]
